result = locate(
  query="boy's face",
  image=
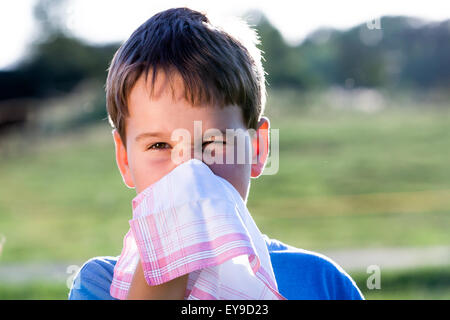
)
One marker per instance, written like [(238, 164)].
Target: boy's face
[(148, 158)]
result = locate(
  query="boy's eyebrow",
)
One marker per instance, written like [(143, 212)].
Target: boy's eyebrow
[(161, 134), (148, 134)]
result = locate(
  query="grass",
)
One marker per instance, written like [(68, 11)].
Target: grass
[(346, 179), (64, 201), (34, 291), (423, 283)]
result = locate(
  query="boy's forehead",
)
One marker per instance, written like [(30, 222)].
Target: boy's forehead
[(163, 85), (168, 117), (164, 114), (167, 107)]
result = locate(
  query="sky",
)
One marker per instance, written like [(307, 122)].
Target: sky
[(103, 21)]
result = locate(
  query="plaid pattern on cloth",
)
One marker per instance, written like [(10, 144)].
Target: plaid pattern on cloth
[(194, 222)]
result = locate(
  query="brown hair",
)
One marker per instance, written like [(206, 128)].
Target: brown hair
[(217, 68)]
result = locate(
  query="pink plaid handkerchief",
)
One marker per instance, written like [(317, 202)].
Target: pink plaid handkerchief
[(193, 221)]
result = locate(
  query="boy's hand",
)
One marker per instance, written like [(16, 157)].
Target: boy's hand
[(171, 290)]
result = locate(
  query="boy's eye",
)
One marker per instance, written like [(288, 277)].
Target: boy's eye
[(163, 145), (159, 146)]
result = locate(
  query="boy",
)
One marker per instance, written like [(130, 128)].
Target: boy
[(174, 70)]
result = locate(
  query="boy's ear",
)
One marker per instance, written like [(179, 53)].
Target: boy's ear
[(260, 143), (122, 160)]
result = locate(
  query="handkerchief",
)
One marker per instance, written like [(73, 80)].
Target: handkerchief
[(193, 221)]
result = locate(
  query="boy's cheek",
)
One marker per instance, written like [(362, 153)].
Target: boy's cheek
[(149, 172), (237, 175)]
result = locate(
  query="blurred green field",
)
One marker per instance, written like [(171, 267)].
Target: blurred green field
[(431, 283), (347, 179)]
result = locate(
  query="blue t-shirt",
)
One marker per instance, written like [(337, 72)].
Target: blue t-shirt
[(300, 274)]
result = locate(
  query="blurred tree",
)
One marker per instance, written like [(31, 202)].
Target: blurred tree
[(55, 64), (62, 62), (359, 59), (57, 61), (50, 16), (284, 64), (320, 50), (404, 52)]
